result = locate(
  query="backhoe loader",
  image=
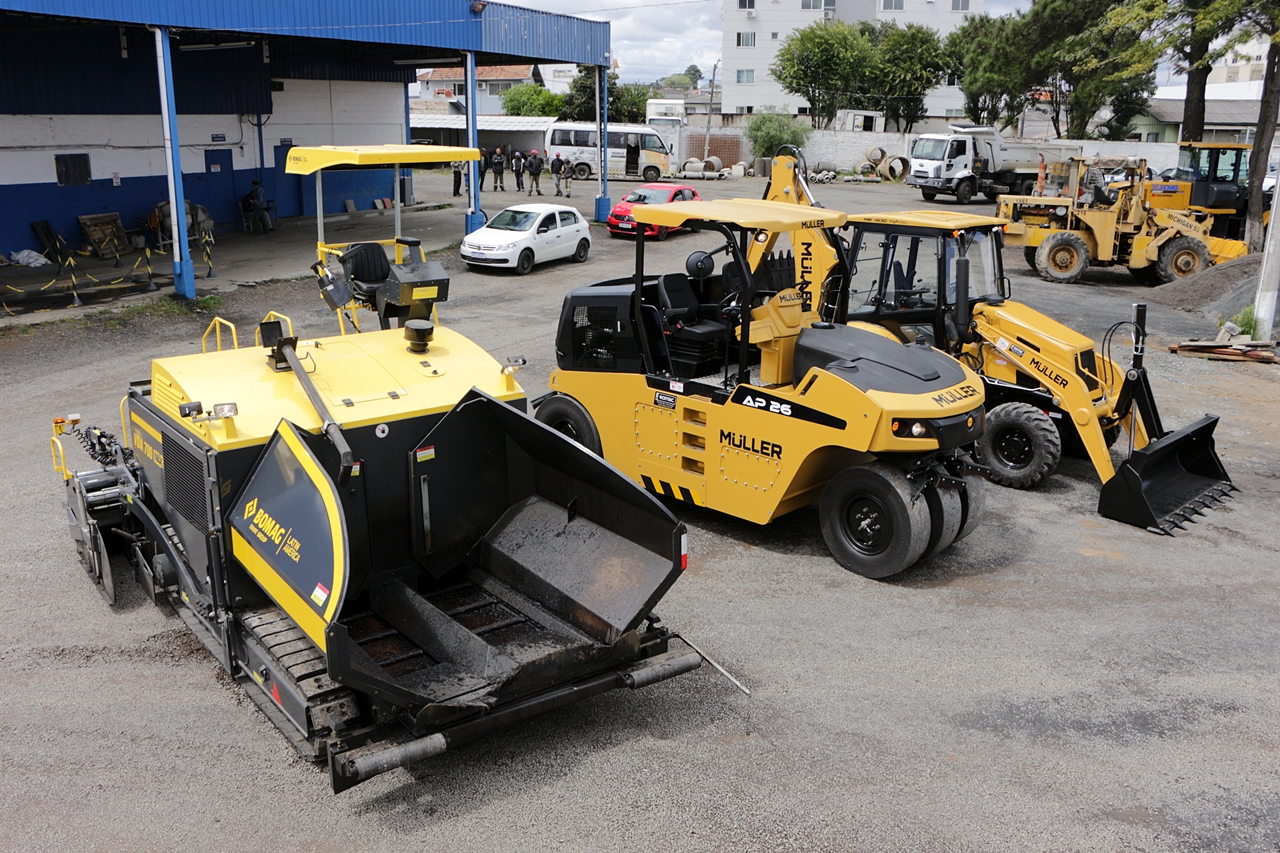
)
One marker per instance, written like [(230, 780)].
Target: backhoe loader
[(368, 532), (937, 277), (724, 389)]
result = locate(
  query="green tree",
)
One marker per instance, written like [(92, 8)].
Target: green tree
[(912, 62), (990, 58), (766, 132), (626, 103), (829, 64), (530, 99), (694, 73), (677, 81)]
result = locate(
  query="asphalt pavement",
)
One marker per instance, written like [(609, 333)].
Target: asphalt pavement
[(1055, 682)]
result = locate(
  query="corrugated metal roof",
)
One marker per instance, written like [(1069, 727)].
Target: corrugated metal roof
[(1221, 113), (499, 29), (488, 72), (459, 122)]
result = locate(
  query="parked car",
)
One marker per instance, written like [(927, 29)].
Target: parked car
[(528, 234), (1115, 176), (621, 222), (1269, 182)]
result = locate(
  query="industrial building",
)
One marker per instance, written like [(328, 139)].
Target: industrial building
[(89, 87)]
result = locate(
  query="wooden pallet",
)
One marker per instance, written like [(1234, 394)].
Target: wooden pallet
[(105, 233)]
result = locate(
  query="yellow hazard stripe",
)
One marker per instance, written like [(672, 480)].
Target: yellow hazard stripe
[(279, 590), (155, 433)]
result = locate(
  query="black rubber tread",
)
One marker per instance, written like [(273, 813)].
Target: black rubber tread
[(580, 253), (566, 415), (663, 231), (1171, 264), (1028, 427), (1029, 255), (906, 522), (1027, 187), (1145, 275), (946, 515), (1055, 245), (652, 174), (1072, 446), (974, 502), (990, 194), (929, 195), (524, 264), (581, 172), (964, 192)]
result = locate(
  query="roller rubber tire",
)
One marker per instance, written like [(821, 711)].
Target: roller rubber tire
[(964, 192), (929, 195), (524, 264), (869, 522), (567, 416), (1020, 445), (579, 255), (652, 173), (1181, 257), (946, 515), (974, 502), (1062, 257)]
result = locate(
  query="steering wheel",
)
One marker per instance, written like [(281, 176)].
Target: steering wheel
[(904, 299)]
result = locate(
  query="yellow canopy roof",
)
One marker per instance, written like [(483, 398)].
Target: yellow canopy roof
[(306, 160), (747, 212), (941, 220)]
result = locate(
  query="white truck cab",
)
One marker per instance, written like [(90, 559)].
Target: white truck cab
[(972, 160)]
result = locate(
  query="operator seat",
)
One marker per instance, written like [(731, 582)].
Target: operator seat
[(367, 266), (680, 308)]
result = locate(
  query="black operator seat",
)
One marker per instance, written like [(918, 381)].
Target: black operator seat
[(367, 266), (680, 308)]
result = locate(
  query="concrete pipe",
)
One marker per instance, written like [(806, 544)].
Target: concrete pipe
[(875, 154), (894, 168), (713, 164)]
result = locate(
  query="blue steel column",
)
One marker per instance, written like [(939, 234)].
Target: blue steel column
[(475, 219), (184, 278), (603, 205)]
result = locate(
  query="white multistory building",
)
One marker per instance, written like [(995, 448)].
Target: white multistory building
[(755, 29)]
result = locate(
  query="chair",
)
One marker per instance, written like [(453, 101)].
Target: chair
[(367, 266)]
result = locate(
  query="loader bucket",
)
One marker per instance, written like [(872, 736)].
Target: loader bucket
[(1168, 482)]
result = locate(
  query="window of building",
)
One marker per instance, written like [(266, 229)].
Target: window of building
[(891, 5), (746, 39), (803, 111), (959, 5), (460, 89), (955, 113), (745, 110), (499, 88), (73, 169), (746, 4), (953, 79), (746, 75), (773, 36)]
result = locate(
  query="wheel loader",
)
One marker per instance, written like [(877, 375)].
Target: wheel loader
[(724, 389), (369, 533), (1210, 178), (1101, 224), (938, 277)]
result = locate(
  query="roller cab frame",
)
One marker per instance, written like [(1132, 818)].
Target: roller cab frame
[(369, 533), (653, 373)]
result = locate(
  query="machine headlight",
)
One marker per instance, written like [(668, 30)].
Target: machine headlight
[(903, 428)]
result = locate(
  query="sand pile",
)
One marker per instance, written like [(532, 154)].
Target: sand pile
[(1223, 290)]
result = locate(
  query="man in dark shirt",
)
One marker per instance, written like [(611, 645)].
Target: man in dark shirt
[(557, 168), (499, 163), (534, 165), (484, 166)]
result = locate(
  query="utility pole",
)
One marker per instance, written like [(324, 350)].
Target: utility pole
[(711, 99)]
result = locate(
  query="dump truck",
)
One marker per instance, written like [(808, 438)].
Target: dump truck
[(972, 160), (937, 277), (724, 389), (1112, 224), (369, 533)]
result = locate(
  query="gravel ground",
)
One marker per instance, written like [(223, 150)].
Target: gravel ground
[(1056, 682)]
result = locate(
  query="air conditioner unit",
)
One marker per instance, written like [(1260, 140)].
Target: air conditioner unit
[(828, 14), (751, 13), (481, 86)]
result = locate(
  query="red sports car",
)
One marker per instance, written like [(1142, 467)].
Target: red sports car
[(620, 218)]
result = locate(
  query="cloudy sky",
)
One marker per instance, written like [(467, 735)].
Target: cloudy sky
[(664, 37)]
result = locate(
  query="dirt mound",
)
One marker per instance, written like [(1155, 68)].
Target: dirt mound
[(1215, 290)]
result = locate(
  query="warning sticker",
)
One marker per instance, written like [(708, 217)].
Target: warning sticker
[(320, 595), (422, 454)]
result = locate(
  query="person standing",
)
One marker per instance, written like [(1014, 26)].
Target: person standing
[(457, 177), (557, 168), (260, 220), (499, 163), (534, 165), (566, 177), (517, 169), (484, 167)]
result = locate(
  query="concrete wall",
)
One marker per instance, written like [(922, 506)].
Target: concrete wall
[(127, 160)]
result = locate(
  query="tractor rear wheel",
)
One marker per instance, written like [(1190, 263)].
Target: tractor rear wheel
[(566, 415), (1181, 257), (946, 515), (870, 523), (1062, 257), (1020, 445)]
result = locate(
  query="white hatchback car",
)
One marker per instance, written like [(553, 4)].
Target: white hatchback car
[(528, 234)]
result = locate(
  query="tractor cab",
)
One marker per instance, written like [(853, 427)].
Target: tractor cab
[(1212, 178)]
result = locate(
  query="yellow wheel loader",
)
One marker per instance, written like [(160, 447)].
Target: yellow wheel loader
[(725, 389), (1112, 224), (368, 532), (938, 277), (1210, 178)]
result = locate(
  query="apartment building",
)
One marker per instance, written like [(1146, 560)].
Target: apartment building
[(755, 29)]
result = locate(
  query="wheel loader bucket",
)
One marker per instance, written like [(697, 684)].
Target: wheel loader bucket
[(1168, 482)]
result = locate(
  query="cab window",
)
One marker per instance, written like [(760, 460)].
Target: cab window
[(584, 138), (864, 283), (567, 218), (561, 137), (653, 143), (911, 280), (957, 148)]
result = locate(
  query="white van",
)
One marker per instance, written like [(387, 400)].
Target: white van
[(635, 150)]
